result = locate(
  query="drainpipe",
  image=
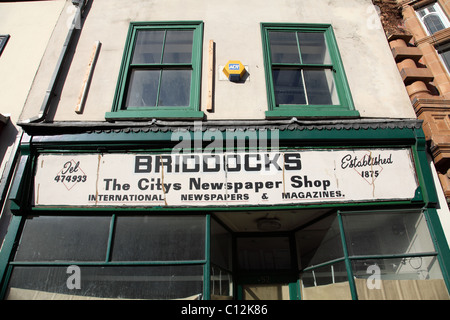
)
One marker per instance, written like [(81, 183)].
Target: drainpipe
[(76, 24)]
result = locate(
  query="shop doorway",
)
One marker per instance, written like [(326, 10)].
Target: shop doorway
[(265, 292), (266, 267), (255, 256)]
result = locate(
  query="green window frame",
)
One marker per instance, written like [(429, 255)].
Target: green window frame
[(144, 266), (304, 72), (387, 239), (158, 57)]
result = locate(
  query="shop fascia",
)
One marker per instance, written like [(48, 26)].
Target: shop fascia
[(199, 171)]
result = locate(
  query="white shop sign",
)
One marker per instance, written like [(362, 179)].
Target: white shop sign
[(228, 179)]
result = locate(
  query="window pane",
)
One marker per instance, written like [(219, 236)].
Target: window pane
[(264, 253), (48, 238), (387, 233), (143, 88), (221, 283), (313, 48), (283, 47), (326, 283), (221, 250), (148, 47), (320, 87), (421, 13), (137, 282), (319, 242), (178, 47), (433, 23), (445, 54), (288, 87), (155, 238), (175, 88), (412, 278)]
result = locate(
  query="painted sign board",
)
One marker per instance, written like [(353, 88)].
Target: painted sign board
[(288, 177)]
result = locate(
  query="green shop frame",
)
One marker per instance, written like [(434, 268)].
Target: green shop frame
[(202, 266)]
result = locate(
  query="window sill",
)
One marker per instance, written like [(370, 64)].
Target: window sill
[(312, 112), (178, 114)]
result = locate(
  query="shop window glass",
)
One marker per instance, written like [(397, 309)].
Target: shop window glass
[(65, 238), (221, 250), (402, 278), (403, 261), (387, 233), (304, 74), (327, 282), (221, 262), (319, 242), (160, 74), (221, 283), (159, 238), (117, 282), (117, 257)]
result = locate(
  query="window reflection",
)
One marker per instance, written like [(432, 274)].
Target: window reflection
[(159, 238), (116, 282), (52, 238)]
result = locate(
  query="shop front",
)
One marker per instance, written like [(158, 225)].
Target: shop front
[(332, 211)]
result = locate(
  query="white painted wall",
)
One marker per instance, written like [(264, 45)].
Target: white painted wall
[(30, 26), (234, 25)]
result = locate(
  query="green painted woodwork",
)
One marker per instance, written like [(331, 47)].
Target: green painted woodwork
[(140, 139), (345, 108), (118, 112)]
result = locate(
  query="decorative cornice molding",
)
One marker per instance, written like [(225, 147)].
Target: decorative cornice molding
[(223, 126)]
